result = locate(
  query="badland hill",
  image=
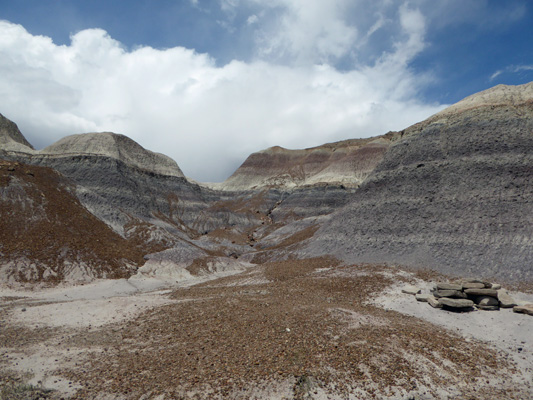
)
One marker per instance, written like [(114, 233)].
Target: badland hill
[(451, 193), (308, 274)]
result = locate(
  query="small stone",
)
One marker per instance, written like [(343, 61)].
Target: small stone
[(456, 303), (449, 293), (506, 301), (410, 289), (433, 302), (488, 308), (23, 310), (527, 309), (482, 292), (422, 297), (449, 286), (496, 286), (486, 301)]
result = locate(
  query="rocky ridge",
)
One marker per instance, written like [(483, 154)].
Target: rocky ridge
[(115, 146), (10, 137), (345, 163)]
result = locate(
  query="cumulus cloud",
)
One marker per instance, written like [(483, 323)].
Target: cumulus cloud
[(309, 31), (210, 117)]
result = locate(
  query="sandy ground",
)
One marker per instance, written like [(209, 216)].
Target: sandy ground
[(509, 332), (87, 306), (63, 312)]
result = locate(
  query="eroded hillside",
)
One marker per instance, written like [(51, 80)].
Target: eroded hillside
[(453, 194)]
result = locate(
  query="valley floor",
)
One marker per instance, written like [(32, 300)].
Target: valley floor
[(304, 329)]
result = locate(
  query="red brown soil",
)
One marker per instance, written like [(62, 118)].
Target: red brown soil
[(43, 222), (292, 320)]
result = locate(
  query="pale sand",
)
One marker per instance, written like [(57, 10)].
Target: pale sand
[(505, 330), (104, 302)]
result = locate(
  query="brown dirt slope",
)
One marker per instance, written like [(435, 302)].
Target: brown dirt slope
[(302, 324), (46, 235)]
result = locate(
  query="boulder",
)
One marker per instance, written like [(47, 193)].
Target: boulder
[(456, 303), (482, 292), (506, 301), (527, 309), (496, 286), (422, 297), (433, 302), (473, 285), (410, 289), (474, 280), (449, 286), (449, 293)]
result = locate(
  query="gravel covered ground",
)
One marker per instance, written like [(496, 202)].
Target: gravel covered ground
[(290, 329)]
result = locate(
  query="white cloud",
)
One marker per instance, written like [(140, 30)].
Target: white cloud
[(252, 19), (208, 117), (413, 25), (513, 69), (495, 75), (308, 31)]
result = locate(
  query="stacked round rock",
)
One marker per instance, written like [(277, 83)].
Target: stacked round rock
[(468, 294)]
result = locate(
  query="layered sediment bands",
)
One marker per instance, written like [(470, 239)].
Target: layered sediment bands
[(347, 163), (11, 138), (124, 185), (46, 235), (454, 195), (115, 146), (310, 201)]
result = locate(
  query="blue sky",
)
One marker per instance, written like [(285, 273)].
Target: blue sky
[(207, 82)]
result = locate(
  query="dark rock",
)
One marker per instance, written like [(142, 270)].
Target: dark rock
[(487, 308), (449, 286), (473, 285), (449, 293), (482, 292), (456, 303), (506, 301), (525, 309), (485, 284)]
